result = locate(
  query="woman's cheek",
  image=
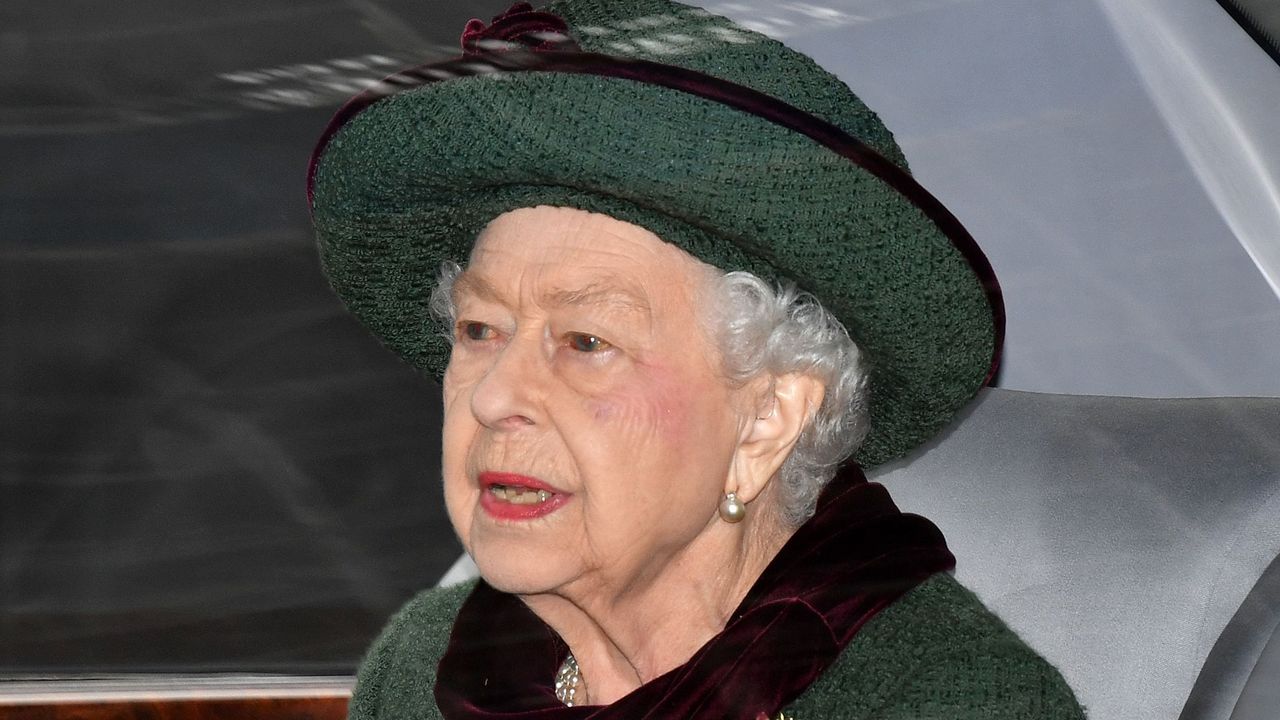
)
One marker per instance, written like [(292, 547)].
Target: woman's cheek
[(450, 388), (458, 498), (651, 410), (457, 440)]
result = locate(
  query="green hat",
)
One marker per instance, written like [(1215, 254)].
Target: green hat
[(721, 141)]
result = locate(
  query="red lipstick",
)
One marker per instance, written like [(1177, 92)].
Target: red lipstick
[(509, 496)]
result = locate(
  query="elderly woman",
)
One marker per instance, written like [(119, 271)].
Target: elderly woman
[(593, 226)]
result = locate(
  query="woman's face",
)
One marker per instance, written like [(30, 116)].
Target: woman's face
[(588, 431)]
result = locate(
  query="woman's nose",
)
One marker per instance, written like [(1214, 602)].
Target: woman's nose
[(508, 396)]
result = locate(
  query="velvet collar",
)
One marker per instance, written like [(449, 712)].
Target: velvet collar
[(857, 555)]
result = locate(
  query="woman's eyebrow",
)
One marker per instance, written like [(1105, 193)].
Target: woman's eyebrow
[(469, 283), (615, 295)]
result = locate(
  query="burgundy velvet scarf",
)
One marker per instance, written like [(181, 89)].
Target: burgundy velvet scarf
[(857, 555)]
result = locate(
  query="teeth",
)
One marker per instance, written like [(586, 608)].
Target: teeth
[(519, 495)]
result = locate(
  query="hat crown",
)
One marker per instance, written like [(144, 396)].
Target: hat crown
[(714, 137), (676, 34)]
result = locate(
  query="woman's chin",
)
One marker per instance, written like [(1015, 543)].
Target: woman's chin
[(517, 580), (520, 568)]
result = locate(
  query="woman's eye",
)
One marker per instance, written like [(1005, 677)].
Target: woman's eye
[(475, 331), (582, 342)]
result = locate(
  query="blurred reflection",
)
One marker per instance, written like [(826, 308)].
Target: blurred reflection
[(312, 84), (1214, 96)]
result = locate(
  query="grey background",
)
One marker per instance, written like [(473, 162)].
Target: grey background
[(1029, 120)]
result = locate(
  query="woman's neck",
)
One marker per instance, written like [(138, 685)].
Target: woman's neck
[(625, 637)]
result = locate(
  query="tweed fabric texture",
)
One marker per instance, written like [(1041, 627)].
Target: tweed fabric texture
[(411, 180), (935, 654), (694, 38)]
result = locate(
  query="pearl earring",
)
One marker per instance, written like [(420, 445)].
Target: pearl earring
[(732, 510)]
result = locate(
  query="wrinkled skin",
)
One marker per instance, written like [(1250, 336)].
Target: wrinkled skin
[(580, 359)]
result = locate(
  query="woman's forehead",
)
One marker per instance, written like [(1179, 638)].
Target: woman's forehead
[(573, 257), (566, 289), (548, 229)]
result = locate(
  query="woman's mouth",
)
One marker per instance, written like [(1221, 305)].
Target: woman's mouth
[(509, 496), (519, 495)]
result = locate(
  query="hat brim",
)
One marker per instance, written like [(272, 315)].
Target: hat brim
[(404, 182)]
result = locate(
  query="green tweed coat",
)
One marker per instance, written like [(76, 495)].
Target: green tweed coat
[(937, 653)]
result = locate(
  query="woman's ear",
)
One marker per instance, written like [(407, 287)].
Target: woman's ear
[(785, 409)]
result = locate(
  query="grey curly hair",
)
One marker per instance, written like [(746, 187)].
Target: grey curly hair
[(778, 331), (782, 331)]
